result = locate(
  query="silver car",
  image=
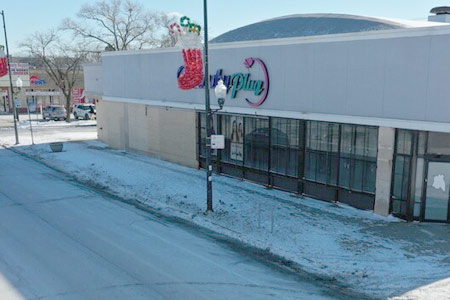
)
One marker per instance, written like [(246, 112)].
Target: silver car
[(55, 112)]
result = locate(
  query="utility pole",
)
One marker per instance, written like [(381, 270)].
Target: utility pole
[(10, 80), (209, 204)]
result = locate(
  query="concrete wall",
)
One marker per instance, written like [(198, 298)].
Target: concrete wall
[(386, 142), (400, 75), (166, 133)]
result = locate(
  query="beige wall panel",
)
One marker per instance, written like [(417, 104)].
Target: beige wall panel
[(163, 132), (137, 127), (111, 120), (178, 136)]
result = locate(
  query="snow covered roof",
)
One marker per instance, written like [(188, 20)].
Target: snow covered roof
[(315, 24)]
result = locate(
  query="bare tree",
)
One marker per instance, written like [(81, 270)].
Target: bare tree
[(115, 25), (166, 39), (61, 61)]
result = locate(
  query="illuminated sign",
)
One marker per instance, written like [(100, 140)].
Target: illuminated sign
[(238, 82)]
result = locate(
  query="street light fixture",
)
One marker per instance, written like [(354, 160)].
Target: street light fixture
[(221, 93), (19, 83)]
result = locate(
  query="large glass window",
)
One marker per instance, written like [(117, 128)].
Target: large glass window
[(338, 155), (357, 170), (256, 149), (285, 146), (402, 168), (321, 162), (233, 130), (438, 143)]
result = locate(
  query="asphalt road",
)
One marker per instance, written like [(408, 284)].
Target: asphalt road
[(61, 240)]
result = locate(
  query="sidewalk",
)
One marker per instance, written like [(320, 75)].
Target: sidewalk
[(374, 255)]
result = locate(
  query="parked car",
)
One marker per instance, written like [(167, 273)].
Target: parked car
[(55, 112), (85, 111)]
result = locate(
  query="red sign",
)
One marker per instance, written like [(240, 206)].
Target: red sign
[(77, 95), (3, 62)]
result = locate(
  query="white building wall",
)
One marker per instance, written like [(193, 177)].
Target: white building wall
[(390, 75)]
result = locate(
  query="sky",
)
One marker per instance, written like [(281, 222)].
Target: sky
[(24, 19)]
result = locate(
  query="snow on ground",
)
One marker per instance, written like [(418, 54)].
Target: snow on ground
[(25, 124), (46, 131), (378, 256)]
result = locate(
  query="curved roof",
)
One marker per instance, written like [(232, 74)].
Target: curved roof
[(440, 10), (313, 24)]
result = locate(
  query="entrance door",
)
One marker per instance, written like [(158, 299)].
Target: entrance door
[(437, 195)]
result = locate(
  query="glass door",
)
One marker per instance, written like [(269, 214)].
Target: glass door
[(437, 195)]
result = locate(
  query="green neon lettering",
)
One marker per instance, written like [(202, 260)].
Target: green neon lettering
[(237, 82), (259, 87)]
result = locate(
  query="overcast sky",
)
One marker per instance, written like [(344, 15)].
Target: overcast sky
[(25, 18)]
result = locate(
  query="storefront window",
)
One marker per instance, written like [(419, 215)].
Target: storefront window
[(335, 155), (233, 129), (285, 146), (321, 162), (438, 143), (402, 169), (256, 141), (418, 187), (358, 158)]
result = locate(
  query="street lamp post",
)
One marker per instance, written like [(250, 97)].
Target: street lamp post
[(10, 79), (220, 92), (209, 206), (19, 85)]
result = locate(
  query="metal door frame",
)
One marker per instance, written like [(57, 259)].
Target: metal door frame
[(428, 160)]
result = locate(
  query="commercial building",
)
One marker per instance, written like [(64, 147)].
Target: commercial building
[(39, 90), (360, 116)]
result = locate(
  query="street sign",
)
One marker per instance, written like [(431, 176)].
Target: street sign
[(18, 103), (217, 142)]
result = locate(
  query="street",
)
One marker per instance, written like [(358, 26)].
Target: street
[(60, 240), (43, 129)]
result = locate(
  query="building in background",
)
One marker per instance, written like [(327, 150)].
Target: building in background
[(358, 115), (18, 69), (38, 88)]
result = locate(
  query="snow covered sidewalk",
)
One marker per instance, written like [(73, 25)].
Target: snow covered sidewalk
[(380, 257)]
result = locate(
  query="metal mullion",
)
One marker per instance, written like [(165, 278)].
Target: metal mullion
[(363, 183), (424, 180), (339, 161), (288, 131), (352, 157), (328, 153), (302, 156), (392, 196), (409, 209), (269, 163)]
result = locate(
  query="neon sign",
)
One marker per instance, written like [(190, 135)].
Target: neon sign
[(238, 82)]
